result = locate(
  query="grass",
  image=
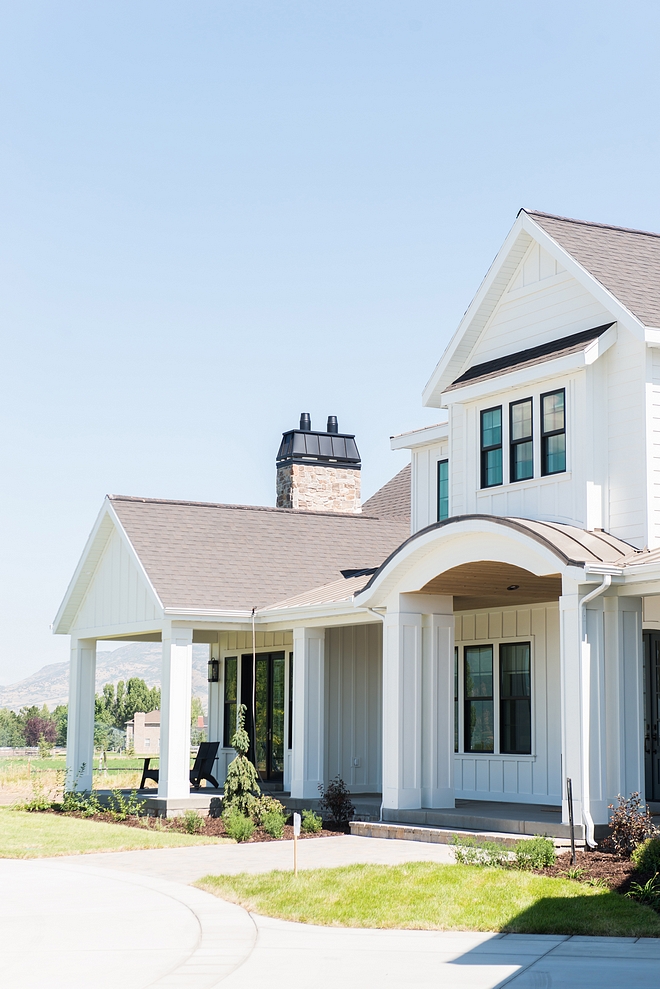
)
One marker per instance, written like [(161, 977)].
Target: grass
[(17, 775), (24, 835), (427, 896)]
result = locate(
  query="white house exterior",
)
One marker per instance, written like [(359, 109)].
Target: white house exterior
[(479, 639)]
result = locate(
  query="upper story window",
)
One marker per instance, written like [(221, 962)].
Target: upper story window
[(491, 447), (443, 490), (521, 440), (553, 432)]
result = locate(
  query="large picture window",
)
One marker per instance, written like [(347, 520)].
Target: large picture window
[(553, 432), (515, 699), (491, 447), (443, 490), (230, 698), (521, 440), (479, 730)]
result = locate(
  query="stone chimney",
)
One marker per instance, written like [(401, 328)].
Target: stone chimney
[(318, 472)]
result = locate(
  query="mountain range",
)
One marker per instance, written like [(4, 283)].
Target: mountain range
[(50, 684)]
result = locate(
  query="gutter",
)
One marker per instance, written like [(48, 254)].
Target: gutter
[(585, 657)]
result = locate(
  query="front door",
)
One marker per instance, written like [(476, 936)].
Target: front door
[(267, 702), (652, 714)]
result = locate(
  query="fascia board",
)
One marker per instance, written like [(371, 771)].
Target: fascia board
[(516, 379), (96, 542), (420, 437), (436, 384), (584, 277), (652, 336)]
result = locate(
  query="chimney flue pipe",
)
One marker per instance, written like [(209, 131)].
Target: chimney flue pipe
[(305, 422), (333, 425)]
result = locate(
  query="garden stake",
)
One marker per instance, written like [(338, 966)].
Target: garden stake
[(569, 797)]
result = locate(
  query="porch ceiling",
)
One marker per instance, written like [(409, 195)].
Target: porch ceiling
[(484, 585)]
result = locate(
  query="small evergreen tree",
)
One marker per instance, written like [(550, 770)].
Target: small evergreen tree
[(242, 783)]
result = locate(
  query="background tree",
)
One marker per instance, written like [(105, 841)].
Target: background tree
[(12, 730), (38, 728)]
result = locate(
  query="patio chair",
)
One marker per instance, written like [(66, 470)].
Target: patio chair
[(202, 768)]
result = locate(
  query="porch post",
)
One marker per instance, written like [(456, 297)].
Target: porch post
[(624, 718), (438, 706), (308, 756), (402, 710), (176, 689), (80, 725), (571, 703)]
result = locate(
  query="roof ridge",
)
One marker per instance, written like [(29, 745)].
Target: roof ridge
[(589, 223), (246, 508)]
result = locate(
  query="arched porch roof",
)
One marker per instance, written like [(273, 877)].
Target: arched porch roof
[(543, 549)]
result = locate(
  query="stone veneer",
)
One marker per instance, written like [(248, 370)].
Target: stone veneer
[(318, 488)]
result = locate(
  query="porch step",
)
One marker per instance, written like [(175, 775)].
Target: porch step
[(443, 836), (491, 817)]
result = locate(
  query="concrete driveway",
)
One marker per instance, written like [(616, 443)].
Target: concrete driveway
[(129, 920)]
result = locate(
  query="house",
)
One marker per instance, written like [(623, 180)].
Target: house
[(486, 626), (143, 733)]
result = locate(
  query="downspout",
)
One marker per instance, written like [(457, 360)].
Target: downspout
[(585, 658), (382, 796)]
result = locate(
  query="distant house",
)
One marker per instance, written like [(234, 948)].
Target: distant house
[(143, 733), (483, 628)]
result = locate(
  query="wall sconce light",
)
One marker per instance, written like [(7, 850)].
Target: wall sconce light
[(213, 671)]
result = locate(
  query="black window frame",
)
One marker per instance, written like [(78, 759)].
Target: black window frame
[(514, 699), (545, 435), (515, 443), (469, 699), (485, 450), (456, 697), (290, 704), (229, 706), (442, 463)]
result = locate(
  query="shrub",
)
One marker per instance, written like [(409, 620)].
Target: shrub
[(273, 823), (469, 851), (241, 785), (646, 857), (311, 823), (264, 805), (336, 800), (120, 807), (537, 853), (238, 825), (629, 825), (193, 822), (648, 893)]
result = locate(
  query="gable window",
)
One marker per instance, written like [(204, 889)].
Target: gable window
[(443, 490), (231, 685), (553, 432), (515, 702), (479, 733), (491, 447), (521, 442)]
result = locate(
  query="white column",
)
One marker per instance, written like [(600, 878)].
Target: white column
[(80, 725), (624, 718), (402, 710), (571, 703), (308, 712), (176, 689), (438, 708)]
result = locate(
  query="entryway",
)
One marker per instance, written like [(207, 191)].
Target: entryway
[(652, 715), (269, 701)]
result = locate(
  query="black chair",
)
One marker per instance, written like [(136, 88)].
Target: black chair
[(202, 769)]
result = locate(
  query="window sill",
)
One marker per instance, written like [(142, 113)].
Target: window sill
[(564, 475), (493, 755)]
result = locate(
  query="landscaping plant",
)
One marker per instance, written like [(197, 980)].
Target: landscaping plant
[(336, 800), (193, 822), (242, 784), (647, 893), (629, 825), (311, 823), (273, 823), (646, 857), (536, 853), (265, 804), (122, 808), (469, 851), (239, 826)]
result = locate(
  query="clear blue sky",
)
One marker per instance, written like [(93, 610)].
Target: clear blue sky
[(215, 215)]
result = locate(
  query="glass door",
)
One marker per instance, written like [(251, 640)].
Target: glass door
[(264, 699), (652, 714)]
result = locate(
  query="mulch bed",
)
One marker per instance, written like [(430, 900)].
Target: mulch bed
[(619, 873)]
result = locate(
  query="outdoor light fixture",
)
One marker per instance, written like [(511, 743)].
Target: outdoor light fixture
[(214, 671), (513, 587)]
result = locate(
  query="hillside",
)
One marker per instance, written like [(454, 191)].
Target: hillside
[(50, 684)]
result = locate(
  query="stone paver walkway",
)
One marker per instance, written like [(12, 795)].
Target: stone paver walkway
[(128, 919)]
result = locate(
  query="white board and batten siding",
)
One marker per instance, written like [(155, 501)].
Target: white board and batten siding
[(653, 442), (534, 778), (626, 430), (118, 594), (425, 484)]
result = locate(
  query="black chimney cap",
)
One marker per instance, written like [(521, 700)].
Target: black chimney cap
[(332, 448)]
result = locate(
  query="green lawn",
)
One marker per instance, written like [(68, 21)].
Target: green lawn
[(426, 896), (24, 835)]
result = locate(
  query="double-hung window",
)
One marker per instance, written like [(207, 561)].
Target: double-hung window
[(553, 432), (521, 441), (479, 730), (231, 687), (443, 490), (491, 447), (515, 699)]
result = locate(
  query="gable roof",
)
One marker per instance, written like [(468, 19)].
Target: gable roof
[(392, 501), (236, 557), (618, 266)]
